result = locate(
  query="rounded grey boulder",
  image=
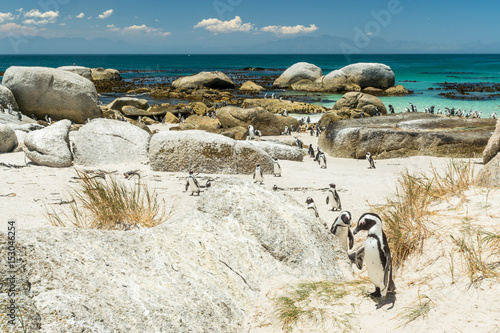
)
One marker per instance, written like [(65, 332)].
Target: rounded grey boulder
[(8, 139), (107, 141), (48, 91), (297, 72), (7, 97), (370, 75), (101, 74), (50, 146), (80, 70), (215, 80)]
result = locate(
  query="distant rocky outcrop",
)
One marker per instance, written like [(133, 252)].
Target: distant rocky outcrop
[(82, 71), (251, 86), (354, 77), (48, 91), (199, 272), (106, 141), (277, 106), (260, 119), (101, 74), (215, 80), (8, 139), (50, 146), (297, 72), (7, 97), (406, 134), (174, 151), (490, 173)]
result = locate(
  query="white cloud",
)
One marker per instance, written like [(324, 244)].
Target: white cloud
[(31, 21), (215, 25), (6, 17), (35, 13), (10, 29), (81, 15), (62, 24), (281, 30), (106, 14), (134, 29)]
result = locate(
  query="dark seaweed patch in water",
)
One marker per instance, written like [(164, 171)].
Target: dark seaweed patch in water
[(470, 91), (448, 73)]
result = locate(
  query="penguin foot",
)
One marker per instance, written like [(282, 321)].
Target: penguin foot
[(376, 293)]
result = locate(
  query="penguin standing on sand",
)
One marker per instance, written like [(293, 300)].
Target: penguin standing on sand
[(322, 160), (277, 168), (377, 254), (312, 131), (341, 229), (257, 175), (311, 150), (251, 132), (299, 143), (369, 158), (192, 183), (333, 198), (311, 207)]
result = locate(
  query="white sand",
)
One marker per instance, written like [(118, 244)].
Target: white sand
[(455, 307)]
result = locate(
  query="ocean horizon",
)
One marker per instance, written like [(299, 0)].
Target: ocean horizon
[(422, 73)]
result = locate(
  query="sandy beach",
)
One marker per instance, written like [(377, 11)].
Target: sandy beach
[(435, 276)]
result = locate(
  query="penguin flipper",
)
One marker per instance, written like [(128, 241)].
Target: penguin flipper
[(187, 185), (351, 238), (358, 257), (388, 281), (327, 199), (196, 182)]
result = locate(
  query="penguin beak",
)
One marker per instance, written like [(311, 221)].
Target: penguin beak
[(356, 230)]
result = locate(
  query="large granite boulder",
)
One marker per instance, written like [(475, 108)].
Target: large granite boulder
[(7, 97), (297, 72), (196, 122), (107, 141), (276, 106), (489, 175), (493, 146), (101, 74), (281, 151), (8, 139), (370, 75), (215, 80), (198, 108), (406, 134), (338, 81), (198, 272), (80, 70), (120, 102), (132, 111), (251, 86), (357, 102), (260, 119), (174, 151), (48, 91), (50, 146)]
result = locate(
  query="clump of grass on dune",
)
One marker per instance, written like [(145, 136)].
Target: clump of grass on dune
[(420, 309), (110, 205), (311, 302), (406, 216)]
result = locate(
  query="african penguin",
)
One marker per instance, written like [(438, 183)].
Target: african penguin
[(257, 175), (299, 142), (322, 160), (341, 229), (377, 254), (369, 158), (333, 198), (251, 132), (311, 207), (311, 150), (277, 168), (192, 183)]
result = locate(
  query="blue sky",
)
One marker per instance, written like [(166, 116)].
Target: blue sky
[(195, 25)]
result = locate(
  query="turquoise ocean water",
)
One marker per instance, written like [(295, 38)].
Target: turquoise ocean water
[(426, 70)]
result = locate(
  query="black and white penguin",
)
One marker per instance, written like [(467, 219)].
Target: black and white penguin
[(19, 116), (369, 158), (341, 229), (192, 183), (311, 150), (311, 206), (257, 175), (333, 198), (251, 132), (312, 131), (391, 108), (299, 143), (277, 168), (377, 254), (322, 160)]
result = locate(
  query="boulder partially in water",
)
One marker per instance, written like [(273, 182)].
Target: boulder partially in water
[(215, 80)]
